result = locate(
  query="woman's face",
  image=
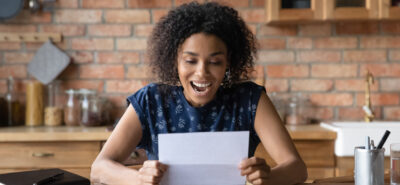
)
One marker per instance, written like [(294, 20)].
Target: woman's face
[(202, 62)]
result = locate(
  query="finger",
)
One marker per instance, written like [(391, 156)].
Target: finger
[(251, 169), (258, 181), (259, 174), (148, 179), (251, 162), (155, 164), (150, 171)]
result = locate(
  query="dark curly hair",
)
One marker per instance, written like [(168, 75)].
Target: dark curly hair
[(210, 18)]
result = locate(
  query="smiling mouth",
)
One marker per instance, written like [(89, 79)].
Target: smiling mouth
[(200, 88)]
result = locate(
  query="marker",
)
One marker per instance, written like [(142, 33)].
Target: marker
[(367, 143), (383, 140)]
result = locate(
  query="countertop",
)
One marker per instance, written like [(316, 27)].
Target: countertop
[(80, 133)]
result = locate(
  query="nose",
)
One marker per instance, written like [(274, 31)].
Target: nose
[(202, 69)]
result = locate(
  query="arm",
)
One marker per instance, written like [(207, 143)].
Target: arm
[(290, 167), (107, 168)]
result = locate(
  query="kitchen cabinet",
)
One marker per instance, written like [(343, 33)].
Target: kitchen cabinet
[(69, 148), (276, 14), (315, 146), (390, 9), (331, 10)]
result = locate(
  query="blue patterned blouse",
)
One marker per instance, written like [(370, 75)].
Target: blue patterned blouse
[(233, 109)]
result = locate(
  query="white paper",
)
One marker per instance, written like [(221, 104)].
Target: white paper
[(203, 158)]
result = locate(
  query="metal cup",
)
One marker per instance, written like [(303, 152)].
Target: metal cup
[(369, 166)]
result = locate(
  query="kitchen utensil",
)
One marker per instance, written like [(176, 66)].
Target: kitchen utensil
[(48, 63)]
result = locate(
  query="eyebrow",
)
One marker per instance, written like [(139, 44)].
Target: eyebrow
[(195, 54)]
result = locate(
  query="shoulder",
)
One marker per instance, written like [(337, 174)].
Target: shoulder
[(247, 86)]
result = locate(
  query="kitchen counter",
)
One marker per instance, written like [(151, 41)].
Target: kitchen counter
[(80, 133), (59, 133)]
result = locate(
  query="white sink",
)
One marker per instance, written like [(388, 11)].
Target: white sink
[(352, 134)]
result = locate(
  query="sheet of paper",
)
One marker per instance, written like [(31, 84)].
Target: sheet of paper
[(203, 158)]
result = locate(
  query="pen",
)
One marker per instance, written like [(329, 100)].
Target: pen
[(47, 180), (383, 140), (367, 143)]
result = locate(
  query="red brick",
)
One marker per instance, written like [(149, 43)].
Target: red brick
[(318, 56), (257, 72), (81, 57), (335, 43), (118, 57), (277, 85), (357, 28), (19, 57), (311, 85), (127, 16), (380, 42), (70, 72), (149, 3), (379, 99), (109, 30), (258, 3), (272, 43), (299, 43), (315, 30), (124, 86), (78, 16), (392, 113), (10, 46), (66, 4), (16, 71), (381, 70), (143, 30), (332, 99), (276, 56), (365, 56), (334, 70), (3, 86), (140, 72), (65, 29), (277, 30), (233, 3), (92, 44), (356, 113), (103, 4), (390, 84), (86, 84), (25, 16), (394, 55), (180, 2), (252, 28), (17, 28), (132, 44), (390, 27), (285, 71), (102, 71), (354, 85), (157, 14), (253, 16)]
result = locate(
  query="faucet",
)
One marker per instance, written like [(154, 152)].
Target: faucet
[(367, 108)]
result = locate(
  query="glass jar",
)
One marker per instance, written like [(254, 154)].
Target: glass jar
[(53, 113), (72, 109), (90, 108), (294, 114)]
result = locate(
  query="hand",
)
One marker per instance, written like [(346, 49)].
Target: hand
[(151, 172), (256, 170)]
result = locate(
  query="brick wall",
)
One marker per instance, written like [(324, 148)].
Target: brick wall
[(326, 62)]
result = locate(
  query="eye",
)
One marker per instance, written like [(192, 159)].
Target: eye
[(190, 61), (215, 62)]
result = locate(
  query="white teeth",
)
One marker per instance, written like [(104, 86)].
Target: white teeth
[(201, 84)]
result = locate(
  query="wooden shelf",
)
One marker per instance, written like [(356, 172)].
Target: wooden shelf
[(29, 37), (275, 14)]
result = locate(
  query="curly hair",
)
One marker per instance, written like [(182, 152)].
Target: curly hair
[(209, 18)]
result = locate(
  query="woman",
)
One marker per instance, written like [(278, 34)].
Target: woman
[(201, 53)]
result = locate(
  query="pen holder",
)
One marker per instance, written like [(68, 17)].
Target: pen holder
[(368, 166)]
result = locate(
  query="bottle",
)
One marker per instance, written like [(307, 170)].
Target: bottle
[(53, 114), (72, 109), (90, 111), (34, 104), (14, 117)]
